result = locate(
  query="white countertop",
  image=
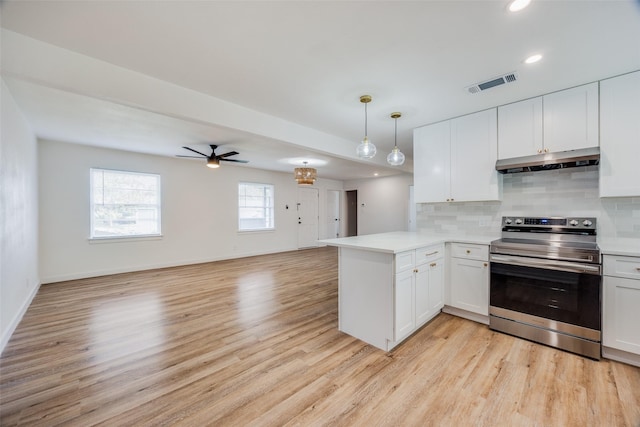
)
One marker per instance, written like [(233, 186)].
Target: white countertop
[(624, 247), (400, 241)]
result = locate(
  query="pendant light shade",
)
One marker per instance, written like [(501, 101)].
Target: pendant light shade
[(366, 149), (305, 175), (395, 158)]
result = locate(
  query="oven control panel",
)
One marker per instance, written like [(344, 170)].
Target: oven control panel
[(587, 223)]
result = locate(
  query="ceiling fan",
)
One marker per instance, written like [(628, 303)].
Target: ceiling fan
[(213, 160)]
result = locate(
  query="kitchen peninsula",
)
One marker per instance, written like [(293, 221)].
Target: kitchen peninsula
[(391, 284)]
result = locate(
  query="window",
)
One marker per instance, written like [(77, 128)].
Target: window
[(255, 206), (124, 204)]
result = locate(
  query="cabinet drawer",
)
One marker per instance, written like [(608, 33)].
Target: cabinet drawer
[(470, 251), (405, 261), (621, 266), (429, 254)]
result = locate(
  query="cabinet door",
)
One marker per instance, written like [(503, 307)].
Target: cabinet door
[(620, 136), (436, 286), (474, 151), (470, 285), (431, 163), (423, 310), (404, 317), (571, 118), (621, 299), (520, 129)]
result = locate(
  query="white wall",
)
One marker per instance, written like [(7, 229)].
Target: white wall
[(199, 213), (19, 279), (386, 203)]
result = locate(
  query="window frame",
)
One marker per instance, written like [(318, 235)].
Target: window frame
[(270, 209), (157, 206)]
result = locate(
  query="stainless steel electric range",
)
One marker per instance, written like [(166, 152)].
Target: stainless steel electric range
[(546, 281)]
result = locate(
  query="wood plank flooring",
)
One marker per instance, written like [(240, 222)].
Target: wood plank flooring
[(254, 342)]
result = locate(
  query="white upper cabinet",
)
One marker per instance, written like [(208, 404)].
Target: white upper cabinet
[(620, 136), (560, 121), (474, 152), (432, 162), (455, 160), (520, 129), (571, 118)]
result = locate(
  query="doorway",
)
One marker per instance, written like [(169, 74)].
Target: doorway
[(333, 214), (352, 213), (307, 217)]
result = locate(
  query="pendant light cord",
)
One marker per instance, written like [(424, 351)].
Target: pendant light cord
[(365, 120), (395, 139)]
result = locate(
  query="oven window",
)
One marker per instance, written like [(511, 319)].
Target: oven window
[(568, 297)]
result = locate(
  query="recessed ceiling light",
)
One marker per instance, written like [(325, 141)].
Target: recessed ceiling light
[(518, 5), (375, 174), (533, 58)]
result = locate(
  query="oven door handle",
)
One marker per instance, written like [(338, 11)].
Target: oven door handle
[(546, 263)]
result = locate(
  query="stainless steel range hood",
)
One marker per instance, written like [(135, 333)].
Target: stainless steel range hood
[(547, 161)]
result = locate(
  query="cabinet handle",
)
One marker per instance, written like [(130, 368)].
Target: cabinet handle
[(468, 251), (415, 270), (546, 150), (433, 264), (539, 150), (637, 268), (485, 264), (432, 253)]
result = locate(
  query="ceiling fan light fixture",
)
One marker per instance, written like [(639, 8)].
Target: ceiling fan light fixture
[(395, 158), (213, 159), (366, 149), (213, 163), (305, 175), (518, 5)]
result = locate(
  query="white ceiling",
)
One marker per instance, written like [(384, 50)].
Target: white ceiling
[(282, 80)]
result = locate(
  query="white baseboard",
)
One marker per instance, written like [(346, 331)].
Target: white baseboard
[(6, 335), (466, 314), (107, 272), (621, 356)]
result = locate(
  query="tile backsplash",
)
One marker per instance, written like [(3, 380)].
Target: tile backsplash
[(563, 192)]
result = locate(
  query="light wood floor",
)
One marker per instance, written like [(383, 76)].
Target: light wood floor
[(255, 342)]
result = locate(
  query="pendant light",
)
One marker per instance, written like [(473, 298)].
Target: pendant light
[(395, 158), (366, 149), (305, 175)]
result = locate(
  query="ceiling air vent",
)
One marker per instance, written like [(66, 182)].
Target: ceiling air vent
[(496, 81)]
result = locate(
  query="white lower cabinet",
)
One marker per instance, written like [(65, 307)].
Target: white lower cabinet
[(384, 297), (468, 291), (621, 303), (418, 291), (404, 321)]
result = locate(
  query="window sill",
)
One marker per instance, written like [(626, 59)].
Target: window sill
[(269, 230), (124, 239)]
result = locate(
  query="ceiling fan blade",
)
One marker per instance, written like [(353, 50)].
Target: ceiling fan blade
[(230, 153), (191, 157), (233, 160), (197, 152)]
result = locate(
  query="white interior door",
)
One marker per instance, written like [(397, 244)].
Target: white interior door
[(307, 217), (333, 214)]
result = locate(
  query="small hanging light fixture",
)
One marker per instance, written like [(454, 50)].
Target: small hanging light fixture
[(395, 158), (366, 149), (305, 175)]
